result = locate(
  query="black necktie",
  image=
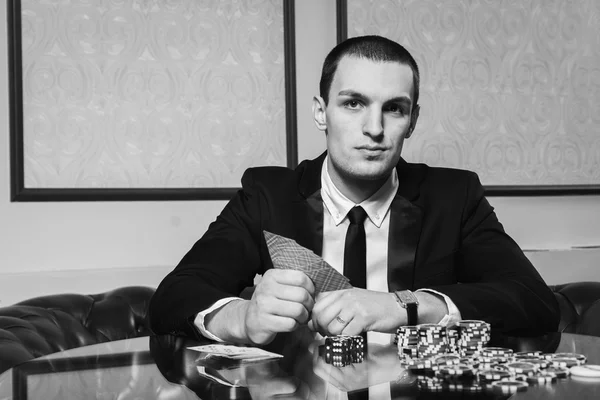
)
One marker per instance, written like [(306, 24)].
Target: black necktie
[(355, 267), (355, 249)]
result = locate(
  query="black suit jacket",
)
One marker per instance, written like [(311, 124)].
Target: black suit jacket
[(444, 235)]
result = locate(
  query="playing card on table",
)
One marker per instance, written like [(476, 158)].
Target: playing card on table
[(287, 254)]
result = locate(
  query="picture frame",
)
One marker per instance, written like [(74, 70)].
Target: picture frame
[(21, 192), (525, 189)]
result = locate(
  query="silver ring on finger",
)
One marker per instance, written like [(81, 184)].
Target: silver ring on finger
[(340, 320)]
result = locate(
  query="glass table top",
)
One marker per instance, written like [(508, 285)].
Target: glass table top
[(163, 367)]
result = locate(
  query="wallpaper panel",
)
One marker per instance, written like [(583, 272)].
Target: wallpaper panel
[(151, 93), (509, 88)]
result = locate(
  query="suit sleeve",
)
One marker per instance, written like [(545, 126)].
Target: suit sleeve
[(221, 264), (497, 282)]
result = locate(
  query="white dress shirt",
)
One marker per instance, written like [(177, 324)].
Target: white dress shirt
[(335, 225)]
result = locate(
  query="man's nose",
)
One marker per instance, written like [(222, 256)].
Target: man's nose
[(373, 125)]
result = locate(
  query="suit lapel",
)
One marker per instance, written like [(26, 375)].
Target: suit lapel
[(405, 229), (308, 209)]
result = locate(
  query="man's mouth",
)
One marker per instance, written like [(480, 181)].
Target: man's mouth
[(372, 149)]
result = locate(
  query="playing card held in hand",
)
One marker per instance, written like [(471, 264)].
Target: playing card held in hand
[(287, 254)]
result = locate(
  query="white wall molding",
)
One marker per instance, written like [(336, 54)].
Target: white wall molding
[(15, 287)]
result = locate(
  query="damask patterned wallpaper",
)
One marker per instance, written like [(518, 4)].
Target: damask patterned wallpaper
[(151, 93), (510, 88)]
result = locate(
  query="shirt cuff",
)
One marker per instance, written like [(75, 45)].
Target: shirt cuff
[(453, 315), (199, 320)]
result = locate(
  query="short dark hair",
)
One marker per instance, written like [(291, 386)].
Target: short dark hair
[(373, 47)]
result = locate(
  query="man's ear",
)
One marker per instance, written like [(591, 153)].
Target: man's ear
[(413, 120), (319, 115)]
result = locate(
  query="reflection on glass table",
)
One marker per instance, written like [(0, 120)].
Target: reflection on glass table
[(163, 367)]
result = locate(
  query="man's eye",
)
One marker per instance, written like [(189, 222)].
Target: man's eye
[(352, 104), (395, 109)]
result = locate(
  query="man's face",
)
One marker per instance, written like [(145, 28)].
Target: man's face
[(370, 113)]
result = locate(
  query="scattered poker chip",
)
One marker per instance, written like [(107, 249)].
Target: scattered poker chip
[(588, 371), (577, 356), (472, 387), (493, 375), (521, 367), (497, 351), (493, 359), (433, 387), (527, 354), (518, 377), (564, 362), (510, 386), (499, 367), (540, 363), (541, 378), (458, 370), (560, 372)]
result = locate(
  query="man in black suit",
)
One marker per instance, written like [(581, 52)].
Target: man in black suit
[(425, 228)]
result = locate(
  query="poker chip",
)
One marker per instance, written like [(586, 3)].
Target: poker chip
[(458, 370), (560, 372), (588, 371), (579, 357), (541, 378), (538, 362), (564, 362), (521, 367), (493, 375), (527, 354), (499, 367), (493, 359), (510, 386), (497, 351), (468, 323), (518, 377)]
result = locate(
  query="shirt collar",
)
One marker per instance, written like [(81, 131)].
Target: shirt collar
[(377, 206)]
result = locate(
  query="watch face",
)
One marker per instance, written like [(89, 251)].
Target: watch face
[(407, 297)]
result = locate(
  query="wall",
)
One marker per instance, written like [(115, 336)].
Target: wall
[(91, 247)]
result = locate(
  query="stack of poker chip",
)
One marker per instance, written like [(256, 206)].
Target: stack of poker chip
[(473, 336), (433, 340), (341, 351), (407, 340), (458, 359)]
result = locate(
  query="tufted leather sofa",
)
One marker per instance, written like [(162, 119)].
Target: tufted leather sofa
[(49, 324), (579, 304)]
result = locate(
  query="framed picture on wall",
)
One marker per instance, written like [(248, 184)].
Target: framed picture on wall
[(152, 100), (510, 91)]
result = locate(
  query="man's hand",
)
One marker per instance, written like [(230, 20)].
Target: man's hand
[(353, 311), (282, 300)]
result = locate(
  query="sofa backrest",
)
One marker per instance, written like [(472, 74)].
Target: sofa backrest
[(49, 324)]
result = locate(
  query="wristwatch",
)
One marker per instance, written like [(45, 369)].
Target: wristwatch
[(408, 300)]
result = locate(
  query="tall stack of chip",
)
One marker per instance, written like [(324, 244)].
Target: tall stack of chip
[(453, 336), (407, 339), (473, 336), (433, 340)]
